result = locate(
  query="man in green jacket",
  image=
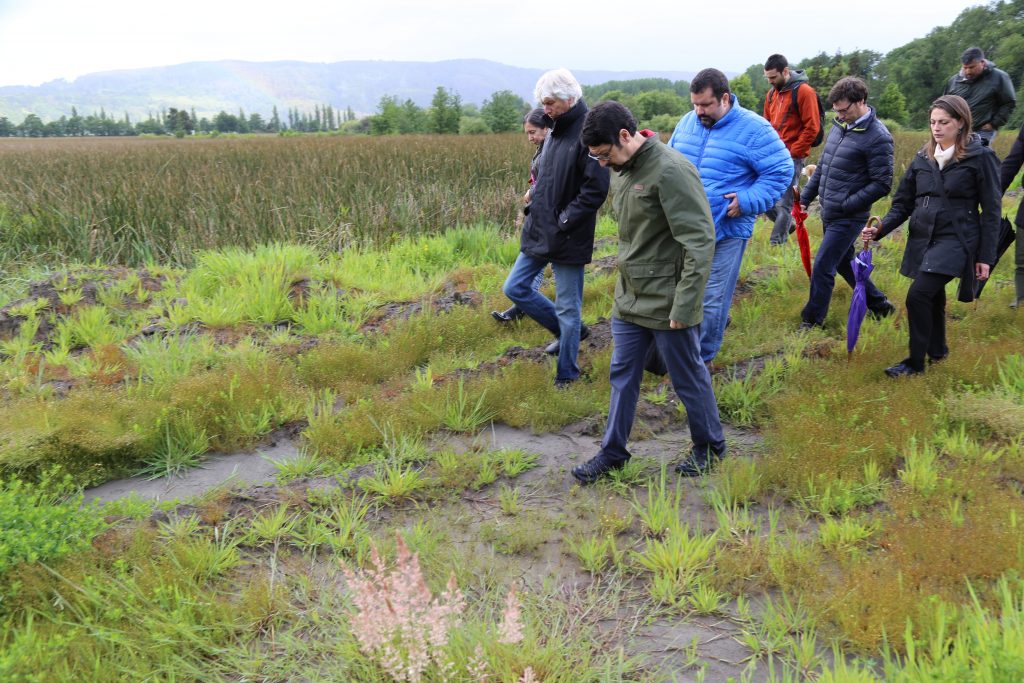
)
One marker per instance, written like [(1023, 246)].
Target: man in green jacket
[(666, 243), (988, 91)]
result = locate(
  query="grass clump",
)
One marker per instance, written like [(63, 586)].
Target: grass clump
[(42, 522)]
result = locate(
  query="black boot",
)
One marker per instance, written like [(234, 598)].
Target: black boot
[(509, 315), (595, 468), (701, 461)]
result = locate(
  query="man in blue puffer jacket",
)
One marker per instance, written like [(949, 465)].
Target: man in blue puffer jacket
[(855, 171), (745, 167)]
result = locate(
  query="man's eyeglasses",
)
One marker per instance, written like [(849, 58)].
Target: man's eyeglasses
[(601, 157), (842, 112)]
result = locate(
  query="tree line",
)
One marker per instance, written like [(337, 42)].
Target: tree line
[(178, 122)]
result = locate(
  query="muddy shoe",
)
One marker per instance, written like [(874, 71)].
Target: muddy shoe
[(594, 469)]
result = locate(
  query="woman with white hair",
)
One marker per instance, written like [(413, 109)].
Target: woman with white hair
[(558, 228)]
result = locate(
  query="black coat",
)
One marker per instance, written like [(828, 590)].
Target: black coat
[(569, 189), (1008, 171), (941, 237), (854, 172)]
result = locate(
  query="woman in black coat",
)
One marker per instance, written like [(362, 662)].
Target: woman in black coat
[(948, 180), (536, 125)]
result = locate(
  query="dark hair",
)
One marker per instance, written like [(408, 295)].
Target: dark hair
[(603, 123), (972, 54), (957, 107), (710, 78), (776, 63), (537, 118), (849, 88)]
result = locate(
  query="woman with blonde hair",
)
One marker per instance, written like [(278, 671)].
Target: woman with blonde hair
[(951, 195)]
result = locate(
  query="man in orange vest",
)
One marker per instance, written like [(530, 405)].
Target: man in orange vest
[(797, 123)]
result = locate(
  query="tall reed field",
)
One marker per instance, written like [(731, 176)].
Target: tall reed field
[(129, 201), (136, 200)]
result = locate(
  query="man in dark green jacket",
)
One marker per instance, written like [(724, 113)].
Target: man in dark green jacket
[(666, 243), (988, 91)]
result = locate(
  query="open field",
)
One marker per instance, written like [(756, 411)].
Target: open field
[(861, 530)]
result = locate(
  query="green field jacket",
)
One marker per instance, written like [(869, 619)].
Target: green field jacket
[(666, 238)]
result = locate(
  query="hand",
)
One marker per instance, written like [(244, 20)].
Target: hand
[(526, 197), (981, 271), (988, 126), (868, 234), (803, 207), (734, 205), (676, 325)]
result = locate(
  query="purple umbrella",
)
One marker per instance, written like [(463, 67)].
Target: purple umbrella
[(862, 267)]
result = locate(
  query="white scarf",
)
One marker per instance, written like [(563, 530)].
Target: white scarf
[(944, 156)]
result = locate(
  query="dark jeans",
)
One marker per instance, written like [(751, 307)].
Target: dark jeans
[(926, 313), (834, 256), (681, 351)]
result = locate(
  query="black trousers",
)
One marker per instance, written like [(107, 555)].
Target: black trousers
[(926, 312)]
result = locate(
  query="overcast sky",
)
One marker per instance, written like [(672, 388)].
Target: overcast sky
[(42, 40)]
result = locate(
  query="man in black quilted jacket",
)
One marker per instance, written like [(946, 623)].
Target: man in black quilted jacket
[(854, 172)]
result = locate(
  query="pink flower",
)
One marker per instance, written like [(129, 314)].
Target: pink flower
[(510, 631)]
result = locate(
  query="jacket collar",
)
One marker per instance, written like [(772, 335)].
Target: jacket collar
[(640, 157), (796, 78), (861, 124), (729, 115), (565, 121)]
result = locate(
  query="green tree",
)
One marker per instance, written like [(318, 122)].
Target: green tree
[(653, 103), (385, 122), (445, 111), (274, 125), (473, 125), (32, 127), (744, 92), (891, 104), (411, 118), (76, 125), (7, 129), (504, 111)]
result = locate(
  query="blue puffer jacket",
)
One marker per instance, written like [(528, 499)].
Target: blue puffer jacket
[(854, 172), (741, 153)]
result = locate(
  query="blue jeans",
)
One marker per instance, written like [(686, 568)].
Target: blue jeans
[(690, 379), (537, 282), (561, 318), (725, 269), (834, 256)]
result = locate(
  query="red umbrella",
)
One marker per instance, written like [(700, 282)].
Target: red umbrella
[(799, 215)]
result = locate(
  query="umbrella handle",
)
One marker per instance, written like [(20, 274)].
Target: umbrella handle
[(873, 221)]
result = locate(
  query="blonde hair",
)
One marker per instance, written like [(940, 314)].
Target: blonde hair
[(957, 107)]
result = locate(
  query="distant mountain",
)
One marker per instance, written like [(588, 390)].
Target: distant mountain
[(210, 87)]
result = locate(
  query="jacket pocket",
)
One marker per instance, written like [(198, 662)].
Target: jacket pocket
[(648, 289)]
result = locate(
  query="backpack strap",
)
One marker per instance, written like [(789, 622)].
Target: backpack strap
[(793, 106)]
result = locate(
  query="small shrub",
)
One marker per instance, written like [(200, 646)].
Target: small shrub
[(43, 522)]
